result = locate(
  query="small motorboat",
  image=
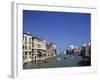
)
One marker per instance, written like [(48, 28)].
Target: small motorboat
[(66, 57)]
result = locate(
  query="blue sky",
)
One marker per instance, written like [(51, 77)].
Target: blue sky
[(62, 28)]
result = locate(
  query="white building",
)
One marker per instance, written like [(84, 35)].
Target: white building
[(35, 48), (87, 49), (38, 48), (71, 47), (27, 47)]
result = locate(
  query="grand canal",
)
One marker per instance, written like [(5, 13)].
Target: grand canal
[(71, 60)]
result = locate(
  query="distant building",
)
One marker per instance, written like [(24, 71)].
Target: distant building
[(86, 49), (77, 50), (72, 47), (51, 49), (27, 47), (73, 50)]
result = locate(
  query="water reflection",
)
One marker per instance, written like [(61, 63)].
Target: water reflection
[(85, 62), (60, 60)]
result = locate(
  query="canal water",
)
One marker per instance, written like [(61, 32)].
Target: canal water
[(59, 61)]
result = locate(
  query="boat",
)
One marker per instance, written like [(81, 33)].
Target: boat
[(66, 57)]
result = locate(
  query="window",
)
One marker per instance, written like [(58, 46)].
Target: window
[(39, 45), (32, 44), (25, 47), (29, 54), (29, 47), (25, 40), (29, 40), (25, 53)]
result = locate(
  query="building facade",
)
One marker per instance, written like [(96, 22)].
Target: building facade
[(86, 50), (73, 50), (77, 50), (38, 48), (51, 50), (27, 47), (35, 48)]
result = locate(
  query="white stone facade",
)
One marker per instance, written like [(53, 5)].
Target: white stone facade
[(38, 48), (35, 48), (27, 47)]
